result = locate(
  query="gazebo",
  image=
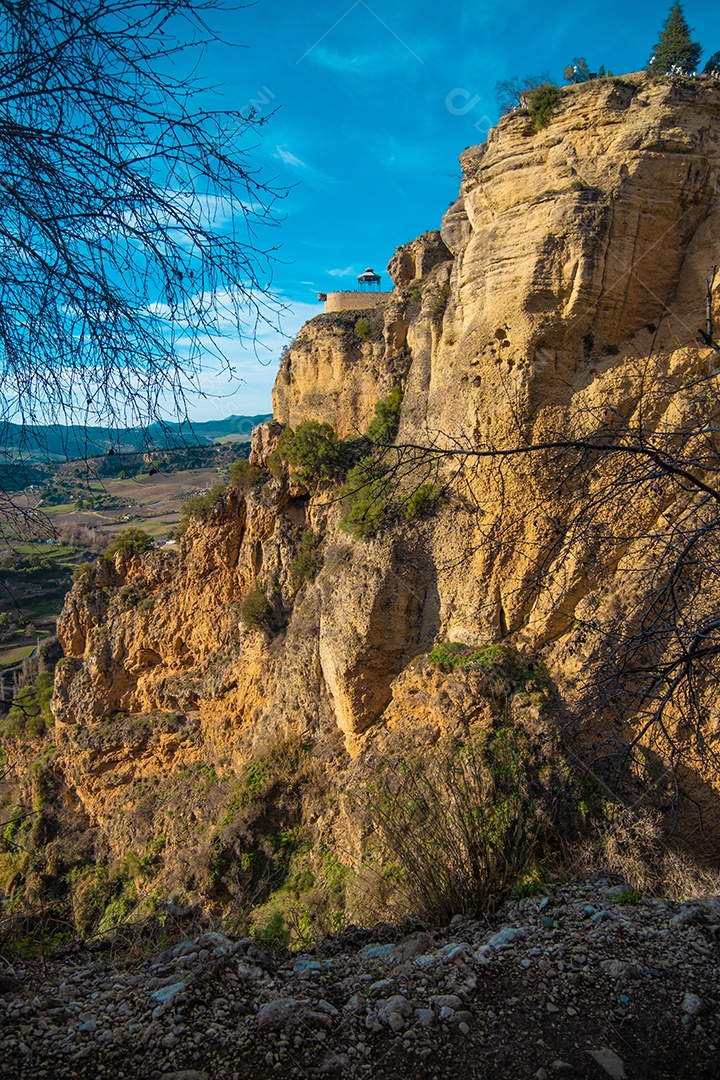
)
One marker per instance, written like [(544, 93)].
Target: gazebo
[(368, 280)]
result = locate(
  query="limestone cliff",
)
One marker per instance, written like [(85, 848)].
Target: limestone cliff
[(557, 309)]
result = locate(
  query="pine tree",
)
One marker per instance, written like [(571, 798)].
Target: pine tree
[(713, 65), (675, 52)]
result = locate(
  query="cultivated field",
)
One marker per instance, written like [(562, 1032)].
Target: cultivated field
[(36, 575)]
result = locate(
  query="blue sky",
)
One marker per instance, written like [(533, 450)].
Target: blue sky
[(372, 103)]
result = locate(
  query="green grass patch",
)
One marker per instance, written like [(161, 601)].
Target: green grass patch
[(452, 654), (520, 673), (47, 552), (64, 508), (158, 528), (47, 606), (8, 657), (627, 896)]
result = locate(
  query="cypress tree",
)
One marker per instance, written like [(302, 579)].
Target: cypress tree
[(675, 52)]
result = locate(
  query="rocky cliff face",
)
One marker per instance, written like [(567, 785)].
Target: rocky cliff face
[(558, 309)]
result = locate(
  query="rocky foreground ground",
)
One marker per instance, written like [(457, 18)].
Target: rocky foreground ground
[(576, 982)]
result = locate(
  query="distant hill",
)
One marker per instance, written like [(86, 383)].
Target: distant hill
[(54, 442)]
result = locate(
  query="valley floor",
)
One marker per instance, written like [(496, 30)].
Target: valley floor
[(584, 981)]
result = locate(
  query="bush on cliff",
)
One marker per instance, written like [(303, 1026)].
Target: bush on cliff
[(471, 818), (30, 714), (363, 329), (308, 560), (256, 612), (201, 506), (510, 93), (423, 501), (441, 301), (541, 104), (365, 499), (131, 541), (313, 452), (384, 426), (245, 477)]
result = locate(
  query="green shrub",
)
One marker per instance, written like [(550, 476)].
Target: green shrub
[(416, 290), (245, 476), (256, 612), (129, 597), (83, 573), (276, 464), (518, 673), (364, 494), (30, 713), (313, 451), (272, 929), (131, 541), (384, 426), (441, 302), (529, 885), (466, 821), (541, 103), (363, 329), (201, 506), (423, 501), (308, 560)]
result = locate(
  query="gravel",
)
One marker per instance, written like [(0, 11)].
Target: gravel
[(570, 983)]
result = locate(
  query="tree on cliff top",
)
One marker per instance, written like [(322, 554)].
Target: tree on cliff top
[(578, 71), (510, 93), (713, 65), (129, 211), (675, 52)]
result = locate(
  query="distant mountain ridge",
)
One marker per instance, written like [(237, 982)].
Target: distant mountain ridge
[(53, 441)]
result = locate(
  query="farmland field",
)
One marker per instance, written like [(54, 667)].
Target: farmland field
[(151, 502), (35, 575), (12, 656)]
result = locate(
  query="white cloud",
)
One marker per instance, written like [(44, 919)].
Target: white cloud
[(242, 382), (349, 271), (363, 64), (288, 157), (300, 167)]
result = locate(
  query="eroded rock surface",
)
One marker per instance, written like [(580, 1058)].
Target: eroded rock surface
[(560, 301)]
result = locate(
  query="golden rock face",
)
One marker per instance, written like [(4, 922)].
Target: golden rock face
[(563, 302)]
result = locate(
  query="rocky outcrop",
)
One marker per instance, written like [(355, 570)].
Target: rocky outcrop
[(415, 260), (561, 301), (331, 374)]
